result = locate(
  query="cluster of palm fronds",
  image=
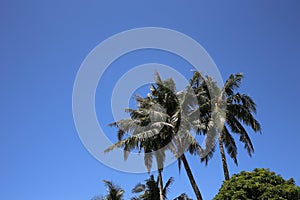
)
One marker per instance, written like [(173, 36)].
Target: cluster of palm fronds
[(146, 191), (167, 120)]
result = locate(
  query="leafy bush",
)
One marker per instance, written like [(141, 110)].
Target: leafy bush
[(261, 184)]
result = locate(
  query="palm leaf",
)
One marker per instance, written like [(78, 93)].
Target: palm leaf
[(236, 127), (229, 144), (138, 188), (232, 83), (167, 185)]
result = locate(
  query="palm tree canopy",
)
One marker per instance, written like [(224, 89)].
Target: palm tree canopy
[(164, 120), (239, 110), (154, 124), (114, 192), (150, 190), (183, 196)]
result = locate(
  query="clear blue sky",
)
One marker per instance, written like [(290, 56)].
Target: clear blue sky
[(42, 44)]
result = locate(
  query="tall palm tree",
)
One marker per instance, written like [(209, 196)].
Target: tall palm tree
[(183, 196), (150, 190), (145, 126), (235, 110), (176, 105), (154, 124), (114, 192)]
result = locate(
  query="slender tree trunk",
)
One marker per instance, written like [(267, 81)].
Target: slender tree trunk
[(191, 177), (161, 185), (224, 162)]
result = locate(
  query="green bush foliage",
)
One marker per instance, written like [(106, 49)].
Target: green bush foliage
[(261, 184)]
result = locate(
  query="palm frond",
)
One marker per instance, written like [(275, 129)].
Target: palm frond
[(148, 157), (135, 198), (232, 83), (229, 144), (208, 155), (183, 196), (245, 115), (196, 79), (167, 185), (244, 100), (160, 158), (138, 188), (179, 165), (126, 125), (236, 127), (184, 141), (157, 78)]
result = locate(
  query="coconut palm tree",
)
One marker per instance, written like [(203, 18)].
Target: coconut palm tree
[(114, 192), (177, 108), (183, 196), (154, 125), (144, 128), (150, 190), (234, 110)]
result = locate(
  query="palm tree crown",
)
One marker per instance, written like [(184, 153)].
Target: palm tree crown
[(235, 111), (114, 192), (150, 190), (157, 125)]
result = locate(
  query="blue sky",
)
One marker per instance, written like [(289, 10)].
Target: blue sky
[(43, 44)]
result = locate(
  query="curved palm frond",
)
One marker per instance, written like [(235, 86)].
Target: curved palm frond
[(236, 127), (230, 145), (232, 83), (243, 114), (138, 188), (167, 186)]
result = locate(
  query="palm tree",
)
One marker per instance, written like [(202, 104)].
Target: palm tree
[(233, 109), (180, 126), (158, 120), (176, 106), (114, 192), (183, 196), (144, 126), (150, 190)]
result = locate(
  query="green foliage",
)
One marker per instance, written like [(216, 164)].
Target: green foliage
[(260, 184), (158, 124), (150, 190), (150, 126), (114, 192), (229, 111), (183, 196), (233, 110)]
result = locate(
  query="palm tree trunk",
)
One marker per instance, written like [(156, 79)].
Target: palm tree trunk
[(161, 185), (191, 177), (224, 162)]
